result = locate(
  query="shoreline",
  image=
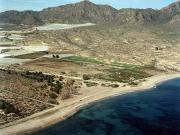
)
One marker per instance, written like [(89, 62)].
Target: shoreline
[(63, 111)]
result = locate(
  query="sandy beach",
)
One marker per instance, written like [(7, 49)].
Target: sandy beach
[(71, 106)]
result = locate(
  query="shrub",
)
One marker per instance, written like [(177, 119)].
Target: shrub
[(114, 85), (27, 72), (56, 87), (61, 78), (91, 84), (86, 77), (7, 107), (57, 56), (70, 82), (53, 101), (50, 79), (9, 71), (63, 73), (133, 83), (53, 95)]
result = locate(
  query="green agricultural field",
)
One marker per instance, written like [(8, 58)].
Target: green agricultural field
[(125, 75), (124, 65), (80, 59)]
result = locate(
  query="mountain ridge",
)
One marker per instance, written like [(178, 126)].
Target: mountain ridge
[(86, 11)]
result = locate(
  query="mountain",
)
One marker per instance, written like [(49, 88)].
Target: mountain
[(25, 17), (175, 19), (86, 11), (139, 16), (172, 9), (81, 12), (172, 12)]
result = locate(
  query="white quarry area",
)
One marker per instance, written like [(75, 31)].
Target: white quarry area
[(9, 61), (12, 36), (57, 26), (36, 48), (8, 49), (20, 50)]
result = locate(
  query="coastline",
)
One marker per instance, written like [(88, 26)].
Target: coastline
[(65, 110)]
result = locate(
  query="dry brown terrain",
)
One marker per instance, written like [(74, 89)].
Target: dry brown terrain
[(143, 45), (24, 93), (28, 96), (56, 66)]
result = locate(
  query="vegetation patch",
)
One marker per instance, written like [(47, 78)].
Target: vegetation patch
[(126, 75), (114, 85), (90, 84), (133, 83), (80, 59), (124, 65), (7, 107), (110, 85), (86, 77), (122, 75)]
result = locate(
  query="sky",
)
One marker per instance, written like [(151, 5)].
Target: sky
[(38, 5)]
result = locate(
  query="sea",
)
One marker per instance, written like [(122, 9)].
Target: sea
[(154, 111)]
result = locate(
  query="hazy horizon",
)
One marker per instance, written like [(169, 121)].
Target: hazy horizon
[(35, 5)]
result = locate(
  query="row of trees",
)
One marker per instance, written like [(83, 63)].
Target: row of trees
[(39, 76)]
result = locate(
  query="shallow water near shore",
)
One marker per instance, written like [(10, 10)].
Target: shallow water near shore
[(151, 112)]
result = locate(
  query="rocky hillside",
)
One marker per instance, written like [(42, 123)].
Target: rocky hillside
[(139, 16), (86, 11), (173, 8), (79, 13), (25, 17)]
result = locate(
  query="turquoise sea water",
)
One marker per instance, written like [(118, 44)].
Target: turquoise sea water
[(151, 112)]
